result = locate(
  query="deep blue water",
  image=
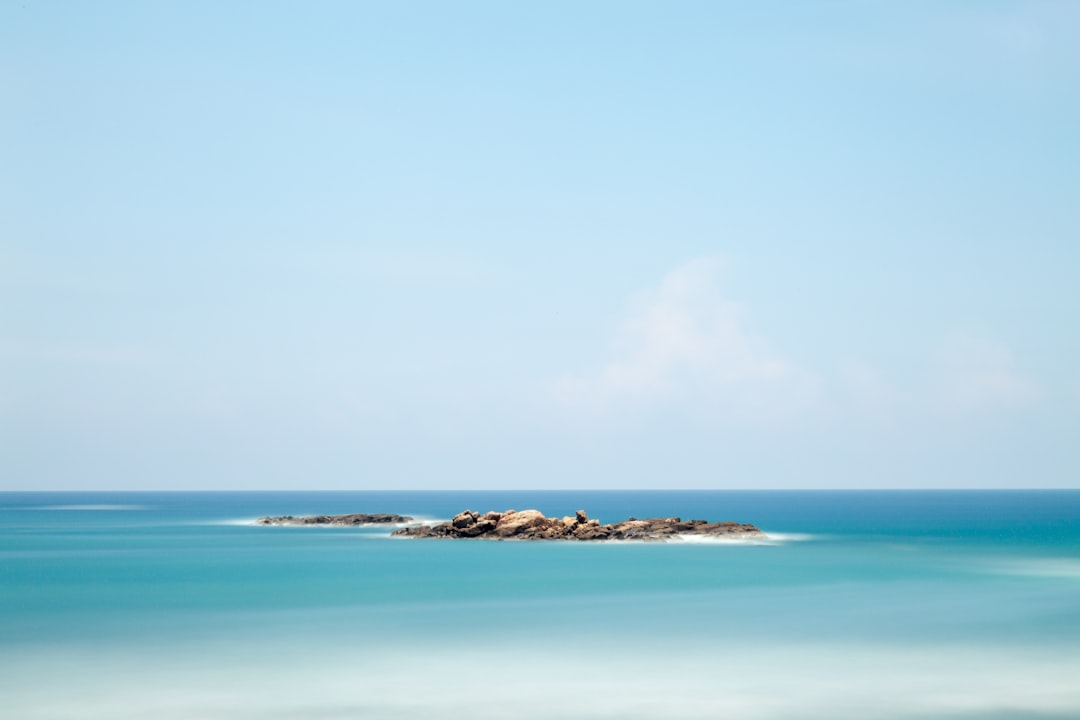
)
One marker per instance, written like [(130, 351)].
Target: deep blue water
[(865, 604)]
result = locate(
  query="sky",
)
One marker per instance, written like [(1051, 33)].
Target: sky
[(411, 245)]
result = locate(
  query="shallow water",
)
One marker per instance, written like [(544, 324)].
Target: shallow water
[(865, 604)]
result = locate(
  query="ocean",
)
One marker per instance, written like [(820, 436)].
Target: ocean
[(877, 604)]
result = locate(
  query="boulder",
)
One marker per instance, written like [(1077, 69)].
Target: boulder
[(464, 519), (513, 523)]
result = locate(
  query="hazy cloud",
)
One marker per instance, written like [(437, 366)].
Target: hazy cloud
[(684, 342)]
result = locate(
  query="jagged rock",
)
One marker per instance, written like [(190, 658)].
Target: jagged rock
[(533, 525), (351, 520)]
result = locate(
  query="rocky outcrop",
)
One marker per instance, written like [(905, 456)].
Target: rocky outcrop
[(533, 525), (340, 520)]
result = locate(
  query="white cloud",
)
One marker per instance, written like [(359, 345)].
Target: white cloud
[(684, 347), (977, 376), (683, 342)]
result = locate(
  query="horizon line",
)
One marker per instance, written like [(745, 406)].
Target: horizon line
[(543, 490)]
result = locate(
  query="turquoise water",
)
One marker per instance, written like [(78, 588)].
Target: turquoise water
[(862, 604)]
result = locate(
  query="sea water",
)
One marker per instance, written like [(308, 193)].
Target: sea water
[(859, 605)]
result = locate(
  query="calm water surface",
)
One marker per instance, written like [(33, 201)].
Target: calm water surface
[(863, 604)]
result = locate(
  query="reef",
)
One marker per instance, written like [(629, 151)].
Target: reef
[(354, 519)]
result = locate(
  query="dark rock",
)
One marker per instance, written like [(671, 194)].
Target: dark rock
[(356, 519), (485, 525)]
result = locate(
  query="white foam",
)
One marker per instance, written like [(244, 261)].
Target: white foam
[(425, 521), (792, 537), (734, 539), (719, 540), (244, 522), (768, 539)]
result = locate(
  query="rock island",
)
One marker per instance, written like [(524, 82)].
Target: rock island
[(533, 525)]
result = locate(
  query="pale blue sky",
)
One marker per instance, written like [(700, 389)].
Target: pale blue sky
[(539, 245)]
